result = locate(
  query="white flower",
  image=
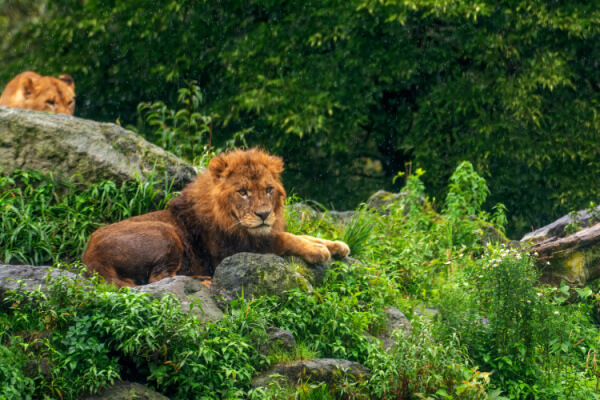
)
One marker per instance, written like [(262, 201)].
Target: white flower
[(539, 294), (555, 312), (481, 276)]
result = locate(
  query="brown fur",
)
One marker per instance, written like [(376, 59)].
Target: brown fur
[(31, 91), (236, 206)]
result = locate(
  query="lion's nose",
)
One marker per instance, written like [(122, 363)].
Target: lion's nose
[(263, 214)]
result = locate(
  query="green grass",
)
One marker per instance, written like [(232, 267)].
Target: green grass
[(45, 219)]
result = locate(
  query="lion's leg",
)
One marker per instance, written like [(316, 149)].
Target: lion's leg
[(287, 244), (335, 247), (205, 280)]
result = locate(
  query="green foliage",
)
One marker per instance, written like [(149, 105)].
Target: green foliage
[(358, 232), (14, 384), (421, 366), (185, 132), (96, 335), (45, 219), (349, 91), (534, 347)]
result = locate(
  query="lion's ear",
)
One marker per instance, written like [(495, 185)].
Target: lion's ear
[(27, 87), (275, 165), (68, 80), (217, 166)]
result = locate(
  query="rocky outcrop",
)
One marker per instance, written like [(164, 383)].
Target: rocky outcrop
[(381, 199), (278, 338), (96, 151), (124, 390), (28, 277), (193, 295), (574, 259), (395, 321), (326, 370), (254, 275), (315, 273), (558, 229)]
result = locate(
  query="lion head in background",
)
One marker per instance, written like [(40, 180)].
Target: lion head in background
[(31, 91), (235, 206)]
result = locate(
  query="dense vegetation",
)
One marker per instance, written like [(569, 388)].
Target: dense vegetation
[(497, 336), (349, 92)]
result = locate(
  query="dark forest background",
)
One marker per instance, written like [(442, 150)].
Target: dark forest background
[(350, 92)]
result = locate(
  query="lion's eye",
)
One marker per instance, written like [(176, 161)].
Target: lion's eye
[(50, 102), (243, 192), (268, 190)]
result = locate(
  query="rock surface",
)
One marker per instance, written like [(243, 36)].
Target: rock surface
[(189, 291), (69, 145), (574, 258), (395, 321), (382, 198), (315, 273), (558, 228), (255, 275), (28, 277), (124, 390), (327, 370), (281, 338)]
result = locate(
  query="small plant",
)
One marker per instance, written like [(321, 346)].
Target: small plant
[(185, 132), (302, 352), (358, 232)]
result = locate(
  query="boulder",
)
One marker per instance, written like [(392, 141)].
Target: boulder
[(28, 277), (278, 337), (96, 151), (326, 370), (574, 259), (395, 321), (255, 275), (302, 212), (123, 390), (315, 273), (194, 296), (382, 198), (558, 229)]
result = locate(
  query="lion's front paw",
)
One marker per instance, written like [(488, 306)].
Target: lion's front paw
[(339, 249), (316, 253)]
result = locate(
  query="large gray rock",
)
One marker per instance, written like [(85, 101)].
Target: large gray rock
[(278, 338), (255, 275), (574, 259), (558, 229), (395, 321), (315, 273), (327, 370), (382, 198), (97, 151), (190, 292), (123, 390), (28, 277)]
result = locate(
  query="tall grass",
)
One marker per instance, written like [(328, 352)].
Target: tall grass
[(44, 219)]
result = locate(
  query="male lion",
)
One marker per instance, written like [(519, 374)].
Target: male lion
[(41, 93), (236, 206)]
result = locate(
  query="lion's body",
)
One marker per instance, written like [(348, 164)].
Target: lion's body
[(31, 91), (236, 206)]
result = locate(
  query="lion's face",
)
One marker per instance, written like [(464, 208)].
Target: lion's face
[(41, 93), (51, 94), (248, 192)]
